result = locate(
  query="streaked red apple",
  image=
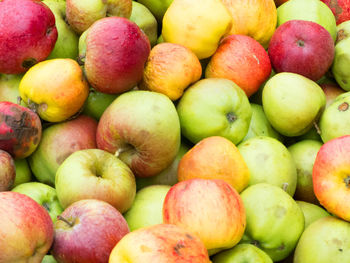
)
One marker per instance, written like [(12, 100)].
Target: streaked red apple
[(7, 171)]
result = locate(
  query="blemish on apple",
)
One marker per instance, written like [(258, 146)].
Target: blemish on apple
[(343, 107)]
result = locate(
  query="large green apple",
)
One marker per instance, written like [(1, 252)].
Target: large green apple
[(324, 241), (44, 195), (214, 107), (9, 91), (304, 155), (242, 253), (269, 161), (157, 7), (311, 212), (23, 172), (274, 220), (146, 209), (310, 10), (67, 41), (292, 103)]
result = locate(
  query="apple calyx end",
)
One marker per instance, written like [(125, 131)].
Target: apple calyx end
[(347, 181), (231, 117), (300, 43)]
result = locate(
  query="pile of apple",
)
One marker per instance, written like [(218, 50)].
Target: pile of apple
[(174, 131)]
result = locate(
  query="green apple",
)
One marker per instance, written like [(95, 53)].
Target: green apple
[(274, 220), (147, 207), (304, 155), (259, 125), (310, 10), (157, 7), (23, 172), (269, 161), (214, 107), (141, 15), (67, 41), (335, 120), (312, 134), (311, 212), (242, 253), (166, 177), (49, 259), (95, 174), (9, 91), (44, 195), (324, 241), (288, 105), (97, 103), (342, 56)]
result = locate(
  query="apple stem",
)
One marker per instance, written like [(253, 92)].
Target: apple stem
[(285, 186), (19, 99), (32, 106), (318, 130), (59, 217)]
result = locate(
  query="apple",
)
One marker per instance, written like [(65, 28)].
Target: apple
[(324, 241), (330, 177), (311, 10), (335, 120), (145, 20), (157, 7), (210, 209), (259, 125), (23, 172), (20, 130), (274, 220), (311, 212), (44, 195), (340, 9), (97, 103), (287, 95), (164, 242), (147, 207), (87, 231), (7, 171), (332, 91), (304, 154), (27, 36), (9, 91), (215, 157), (269, 161), (302, 47), (142, 128), (214, 107), (242, 253), (58, 141), (169, 175), (114, 64), (82, 14), (49, 259), (95, 174), (26, 229), (236, 58), (66, 45)]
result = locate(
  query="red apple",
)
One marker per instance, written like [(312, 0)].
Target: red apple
[(340, 9), (27, 34), (20, 129), (116, 52), (211, 209), (26, 230), (87, 231), (331, 176), (302, 47), (7, 171), (236, 58)]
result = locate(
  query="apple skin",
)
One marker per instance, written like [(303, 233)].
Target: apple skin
[(332, 91), (9, 88), (211, 209), (214, 107), (44, 195), (27, 37), (274, 220), (49, 259), (162, 243), (331, 178), (324, 241), (304, 154), (236, 58), (58, 141), (115, 64), (20, 130), (23, 172), (301, 47), (340, 9), (95, 174), (287, 95), (146, 209), (311, 212), (7, 171), (24, 236), (97, 103), (87, 231), (269, 161), (136, 127)]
